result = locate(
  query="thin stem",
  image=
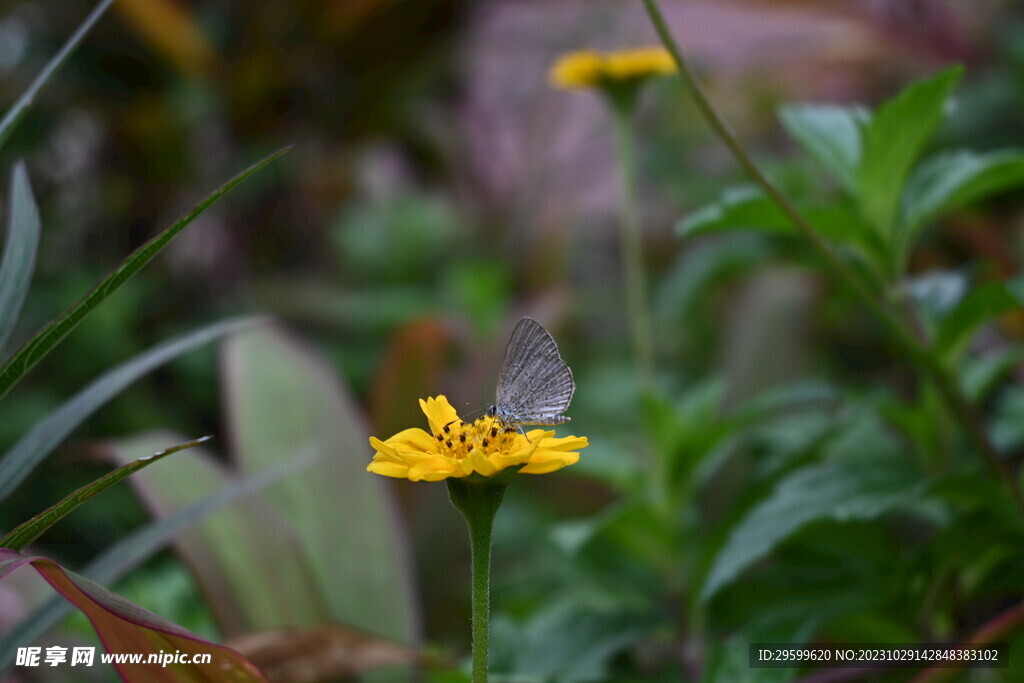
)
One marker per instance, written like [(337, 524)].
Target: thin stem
[(478, 503), (994, 630), (946, 383), (480, 545), (637, 311)]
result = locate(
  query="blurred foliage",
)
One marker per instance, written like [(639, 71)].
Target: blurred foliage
[(793, 478)]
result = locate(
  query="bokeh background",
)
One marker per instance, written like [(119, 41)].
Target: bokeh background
[(438, 189)]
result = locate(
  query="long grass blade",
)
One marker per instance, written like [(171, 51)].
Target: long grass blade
[(47, 434), (41, 344), (19, 252), (19, 108), (132, 550), (30, 530)]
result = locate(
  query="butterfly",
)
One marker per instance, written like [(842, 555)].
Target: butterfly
[(535, 385)]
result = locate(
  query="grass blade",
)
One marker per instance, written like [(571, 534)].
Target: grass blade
[(41, 344), (29, 531), (19, 252), (47, 434), (19, 108), (132, 550)]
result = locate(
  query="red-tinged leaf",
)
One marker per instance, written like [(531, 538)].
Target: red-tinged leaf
[(126, 628)]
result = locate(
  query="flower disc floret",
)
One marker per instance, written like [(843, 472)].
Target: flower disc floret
[(455, 448)]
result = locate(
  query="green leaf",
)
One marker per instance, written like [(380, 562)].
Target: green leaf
[(283, 398), (29, 531), (247, 559), (955, 179), (893, 141), (19, 252), (47, 434), (977, 308), (738, 208), (830, 135), (748, 208), (42, 343), (132, 550), (980, 375), (568, 642), (827, 491), (130, 628), (18, 110)]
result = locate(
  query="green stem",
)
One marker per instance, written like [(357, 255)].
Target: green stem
[(637, 308), (478, 503), (944, 380)]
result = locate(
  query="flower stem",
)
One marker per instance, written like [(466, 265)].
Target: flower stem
[(944, 380), (637, 309), (478, 503)]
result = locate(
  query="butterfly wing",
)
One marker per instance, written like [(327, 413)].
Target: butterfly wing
[(535, 385)]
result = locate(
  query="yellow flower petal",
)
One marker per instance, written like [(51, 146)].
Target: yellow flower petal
[(460, 449), (590, 69), (439, 413), (389, 469)]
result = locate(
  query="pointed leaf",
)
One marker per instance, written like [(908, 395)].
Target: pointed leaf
[(977, 308), (19, 251), (47, 434), (29, 531), (247, 559), (18, 110), (126, 628), (834, 491), (283, 398), (830, 135), (132, 550), (894, 140), (747, 208), (42, 343), (955, 179)]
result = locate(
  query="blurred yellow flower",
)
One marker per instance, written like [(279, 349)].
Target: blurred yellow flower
[(590, 69), (454, 448)]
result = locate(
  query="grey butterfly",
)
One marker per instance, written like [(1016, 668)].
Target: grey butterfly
[(535, 385)]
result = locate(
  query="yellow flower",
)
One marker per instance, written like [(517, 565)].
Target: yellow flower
[(590, 69), (454, 448)]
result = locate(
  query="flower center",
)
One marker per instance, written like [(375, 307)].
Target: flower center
[(487, 435)]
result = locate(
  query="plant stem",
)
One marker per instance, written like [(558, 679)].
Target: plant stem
[(478, 503), (944, 380), (998, 628), (637, 308)]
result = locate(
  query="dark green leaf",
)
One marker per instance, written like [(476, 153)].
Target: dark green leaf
[(955, 179), (838, 491), (19, 251), (567, 642), (47, 434), (830, 135), (977, 308), (28, 531), (748, 208), (980, 375), (893, 141), (18, 110), (42, 343), (739, 208)]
